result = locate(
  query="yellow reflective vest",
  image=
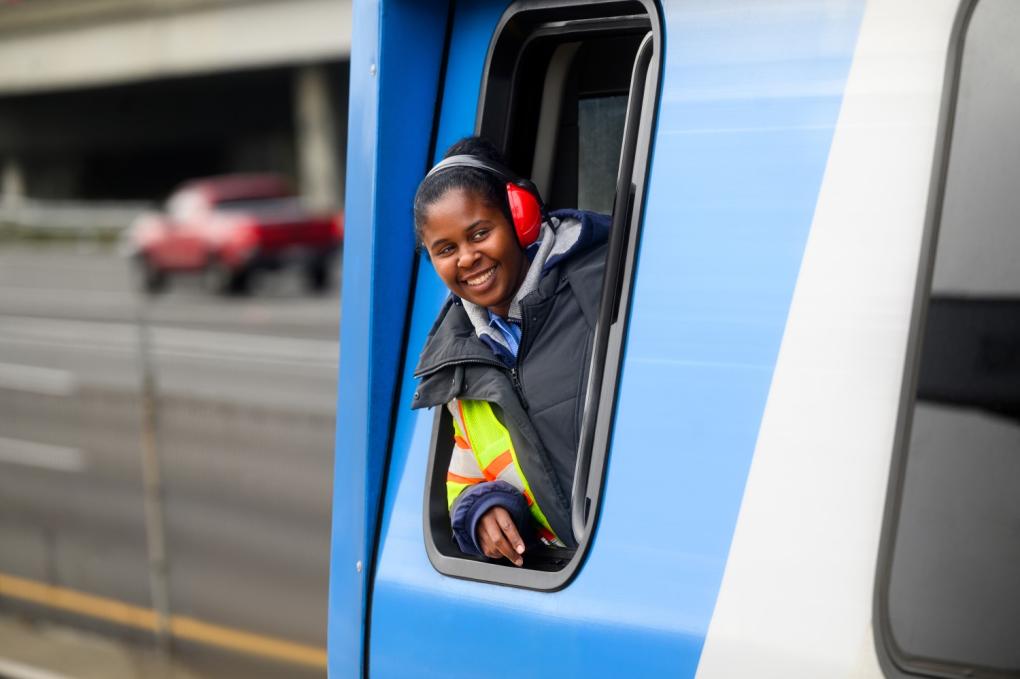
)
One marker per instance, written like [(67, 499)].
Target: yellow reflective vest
[(483, 451)]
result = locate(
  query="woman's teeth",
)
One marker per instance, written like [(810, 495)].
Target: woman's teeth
[(481, 278)]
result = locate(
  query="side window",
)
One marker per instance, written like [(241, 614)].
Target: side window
[(568, 95), (950, 588), (599, 123)]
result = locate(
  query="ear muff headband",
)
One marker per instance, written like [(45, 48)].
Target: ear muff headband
[(521, 194)]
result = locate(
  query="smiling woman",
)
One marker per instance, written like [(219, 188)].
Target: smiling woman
[(525, 288)]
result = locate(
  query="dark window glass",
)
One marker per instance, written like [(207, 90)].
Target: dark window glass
[(599, 130), (954, 590)]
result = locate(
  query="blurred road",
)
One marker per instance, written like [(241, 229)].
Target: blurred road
[(246, 395)]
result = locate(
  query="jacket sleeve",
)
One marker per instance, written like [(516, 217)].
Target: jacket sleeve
[(480, 498), (469, 495)]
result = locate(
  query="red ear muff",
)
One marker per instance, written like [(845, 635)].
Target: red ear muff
[(526, 213), (525, 205)]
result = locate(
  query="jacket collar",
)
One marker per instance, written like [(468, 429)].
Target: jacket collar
[(452, 339)]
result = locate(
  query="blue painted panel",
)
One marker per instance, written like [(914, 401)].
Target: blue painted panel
[(394, 69), (750, 96)]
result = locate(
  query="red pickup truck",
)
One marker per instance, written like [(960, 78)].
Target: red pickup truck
[(230, 227)]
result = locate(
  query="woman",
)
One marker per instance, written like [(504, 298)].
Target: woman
[(509, 352)]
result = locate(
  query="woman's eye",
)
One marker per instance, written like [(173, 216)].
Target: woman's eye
[(445, 250), (480, 234)]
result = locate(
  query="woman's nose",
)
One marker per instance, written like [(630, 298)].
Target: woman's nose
[(468, 256)]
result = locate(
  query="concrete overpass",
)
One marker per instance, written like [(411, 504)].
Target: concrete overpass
[(94, 94)]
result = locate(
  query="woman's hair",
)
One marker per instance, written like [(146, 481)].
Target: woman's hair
[(485, 185)]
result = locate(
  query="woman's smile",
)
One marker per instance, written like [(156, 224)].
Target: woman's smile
[(479, 280)]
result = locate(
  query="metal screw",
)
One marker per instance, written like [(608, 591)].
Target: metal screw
[(357, 566)]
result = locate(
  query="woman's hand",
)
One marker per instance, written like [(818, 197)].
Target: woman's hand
[(498, 536)]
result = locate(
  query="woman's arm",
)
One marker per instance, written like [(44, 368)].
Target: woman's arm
[(488, 519), (486, 516)]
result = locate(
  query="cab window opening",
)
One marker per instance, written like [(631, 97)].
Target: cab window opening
[(564, 125)]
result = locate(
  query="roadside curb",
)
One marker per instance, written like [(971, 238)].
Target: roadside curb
[(13, 670)]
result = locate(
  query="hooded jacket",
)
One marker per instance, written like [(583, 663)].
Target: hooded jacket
[(539, 395)]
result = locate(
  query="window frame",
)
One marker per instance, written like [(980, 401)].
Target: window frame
[(523, 22), (894, 661)]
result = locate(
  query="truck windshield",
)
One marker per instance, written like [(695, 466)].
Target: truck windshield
[(262, 206)]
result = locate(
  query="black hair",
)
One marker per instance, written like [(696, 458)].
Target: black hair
[(484, 184)]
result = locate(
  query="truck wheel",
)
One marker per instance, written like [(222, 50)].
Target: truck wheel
[(151, 278), (318, 276), (220, 279), (241, 283)]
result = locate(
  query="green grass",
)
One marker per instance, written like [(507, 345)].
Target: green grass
[(14, 233)]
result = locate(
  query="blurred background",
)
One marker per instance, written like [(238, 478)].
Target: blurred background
[(171, 226)]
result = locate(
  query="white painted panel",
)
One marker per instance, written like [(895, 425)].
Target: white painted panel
[(796, 597), (42, 455), (206, 39), (34, 379)]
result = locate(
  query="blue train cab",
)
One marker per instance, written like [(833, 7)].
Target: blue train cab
[(799, 450)]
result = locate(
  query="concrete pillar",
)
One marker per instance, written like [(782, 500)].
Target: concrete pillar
[(12, 183), (317, 144)]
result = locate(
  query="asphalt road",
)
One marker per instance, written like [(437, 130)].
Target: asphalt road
[(246, 391)]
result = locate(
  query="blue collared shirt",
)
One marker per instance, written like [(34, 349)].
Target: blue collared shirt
[(510, 330)]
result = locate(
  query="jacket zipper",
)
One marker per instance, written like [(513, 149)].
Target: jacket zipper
[(515, 379), (515, 376)]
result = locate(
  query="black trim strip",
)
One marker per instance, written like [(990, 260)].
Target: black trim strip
[(893, 660), (609, 304)]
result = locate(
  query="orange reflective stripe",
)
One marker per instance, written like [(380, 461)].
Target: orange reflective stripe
[(498, 465), (455, 478), (461, 442), (527, 496)]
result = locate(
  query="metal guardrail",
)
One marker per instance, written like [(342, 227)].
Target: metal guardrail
[(69, 219)]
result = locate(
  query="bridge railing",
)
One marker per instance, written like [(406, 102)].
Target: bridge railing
[(69, 219)]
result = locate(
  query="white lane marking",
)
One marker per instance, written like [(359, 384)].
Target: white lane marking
[(169, 341), (14, 670), (32, 454), (46, 381), (15, 295)]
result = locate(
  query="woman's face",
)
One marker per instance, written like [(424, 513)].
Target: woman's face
[(474, 250)]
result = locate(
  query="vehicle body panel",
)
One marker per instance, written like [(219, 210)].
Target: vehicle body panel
[(738, 531), (386, 158), (729, 206)]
